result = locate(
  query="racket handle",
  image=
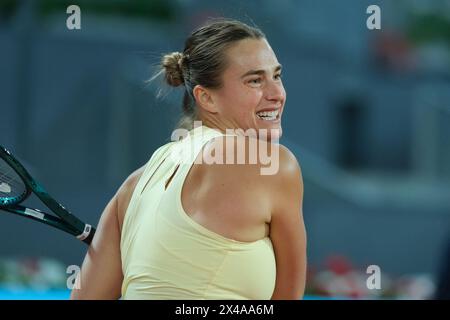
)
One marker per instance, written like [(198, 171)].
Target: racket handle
[(88, 240), (87, 235)]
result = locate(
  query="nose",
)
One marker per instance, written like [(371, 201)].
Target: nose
[(275, 91)]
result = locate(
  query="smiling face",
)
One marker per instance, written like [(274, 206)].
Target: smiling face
[(252, 95)]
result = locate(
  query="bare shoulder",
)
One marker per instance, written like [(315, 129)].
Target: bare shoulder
[(125, 192), (287, 182), (226, 192), (243, 194), (255, 158), (267, 170), (289, 165)]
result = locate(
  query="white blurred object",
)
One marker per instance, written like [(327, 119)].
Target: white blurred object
[(433, 57), (416, 287)]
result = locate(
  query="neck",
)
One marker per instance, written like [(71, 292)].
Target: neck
[(217, 124)]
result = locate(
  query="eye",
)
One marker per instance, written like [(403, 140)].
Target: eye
[(255, 81), (278, 76)]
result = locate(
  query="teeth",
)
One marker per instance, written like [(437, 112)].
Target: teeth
[(268, 115)]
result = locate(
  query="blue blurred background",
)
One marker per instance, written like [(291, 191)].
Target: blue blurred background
[(367, 115)]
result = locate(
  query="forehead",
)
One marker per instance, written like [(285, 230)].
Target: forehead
[(250, 54)]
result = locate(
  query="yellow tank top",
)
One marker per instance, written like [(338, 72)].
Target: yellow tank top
[(168, 255)]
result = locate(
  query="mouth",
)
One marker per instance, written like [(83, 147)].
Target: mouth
[(273, 115)]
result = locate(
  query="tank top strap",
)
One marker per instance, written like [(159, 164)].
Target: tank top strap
[(156, 160), (186, 150)]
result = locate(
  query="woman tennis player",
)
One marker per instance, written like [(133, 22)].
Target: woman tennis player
[(183, 228)]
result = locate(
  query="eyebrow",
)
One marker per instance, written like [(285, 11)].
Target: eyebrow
[(260, 72)]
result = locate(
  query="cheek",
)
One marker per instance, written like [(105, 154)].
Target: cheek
[(249, 99), (241, 101)]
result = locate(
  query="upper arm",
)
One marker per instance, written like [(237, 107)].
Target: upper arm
[(101, 274), (287, 230)]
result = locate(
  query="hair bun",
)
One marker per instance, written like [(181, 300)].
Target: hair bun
[(172, 63)]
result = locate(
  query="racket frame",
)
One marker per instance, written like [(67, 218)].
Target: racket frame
[(67, 222)]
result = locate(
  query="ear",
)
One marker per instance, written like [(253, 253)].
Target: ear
[(204, 99)]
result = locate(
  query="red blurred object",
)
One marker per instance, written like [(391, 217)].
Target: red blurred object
[(30, 266), (338, 264), (394, 51)]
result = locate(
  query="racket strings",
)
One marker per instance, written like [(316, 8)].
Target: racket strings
[(11, 185)]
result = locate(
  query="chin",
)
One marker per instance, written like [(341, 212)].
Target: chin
[(266, 130), (271, 132), (274, 134)]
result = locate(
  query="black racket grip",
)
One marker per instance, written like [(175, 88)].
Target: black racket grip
[(89, 238)]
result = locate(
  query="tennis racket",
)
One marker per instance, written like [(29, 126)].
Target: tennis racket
[(16, 184)]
